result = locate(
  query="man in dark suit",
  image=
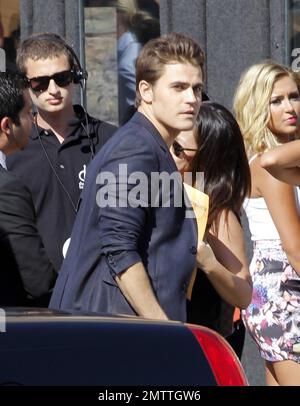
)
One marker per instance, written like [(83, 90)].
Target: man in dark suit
[(133, 249), (26, 274)]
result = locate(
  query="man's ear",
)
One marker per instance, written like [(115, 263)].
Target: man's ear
[(146, 91), (5, 125)]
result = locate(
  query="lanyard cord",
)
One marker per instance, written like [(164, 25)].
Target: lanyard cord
[(52, 167)]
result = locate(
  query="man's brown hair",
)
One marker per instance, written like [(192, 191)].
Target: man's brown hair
[(158, 52), (42, 46)]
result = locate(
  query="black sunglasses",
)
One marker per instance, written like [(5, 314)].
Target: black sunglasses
[(41, 83), (178, 149)]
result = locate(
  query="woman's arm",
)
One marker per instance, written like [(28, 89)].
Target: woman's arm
[(225, 262), (283, 162), (281, 202)]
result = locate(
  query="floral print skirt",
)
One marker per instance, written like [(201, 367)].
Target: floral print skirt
[(273, 317)]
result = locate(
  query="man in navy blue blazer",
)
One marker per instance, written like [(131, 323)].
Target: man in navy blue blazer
[(133, 247)]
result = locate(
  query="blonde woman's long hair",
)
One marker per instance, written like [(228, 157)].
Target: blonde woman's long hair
[(252, 104)]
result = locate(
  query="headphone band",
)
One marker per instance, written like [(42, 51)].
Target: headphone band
[(80, 72)]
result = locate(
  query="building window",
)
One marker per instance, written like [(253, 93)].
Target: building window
[(114, 32)]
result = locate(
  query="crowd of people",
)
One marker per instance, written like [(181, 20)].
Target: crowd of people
[(102, 196)]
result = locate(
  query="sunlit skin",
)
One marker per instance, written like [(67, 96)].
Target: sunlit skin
[(55, 99), (284, 109), (173, 102)]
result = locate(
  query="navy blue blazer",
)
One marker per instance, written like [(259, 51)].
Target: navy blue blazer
[(106, 241)]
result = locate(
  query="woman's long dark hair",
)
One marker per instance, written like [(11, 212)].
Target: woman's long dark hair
[(221, 156)]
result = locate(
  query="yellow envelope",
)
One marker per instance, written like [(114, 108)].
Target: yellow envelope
[(200, 205)]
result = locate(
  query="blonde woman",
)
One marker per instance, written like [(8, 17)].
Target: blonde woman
[(267, 106)]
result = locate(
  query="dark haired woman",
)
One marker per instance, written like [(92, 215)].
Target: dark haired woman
[(216, 148)]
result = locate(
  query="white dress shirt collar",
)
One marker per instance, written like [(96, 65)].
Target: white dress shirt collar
[(3, 160)]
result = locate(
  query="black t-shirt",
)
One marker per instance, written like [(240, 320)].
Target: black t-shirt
[(55, 174)]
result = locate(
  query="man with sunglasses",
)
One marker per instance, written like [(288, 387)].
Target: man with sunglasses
[(62, 141), (137, 257)]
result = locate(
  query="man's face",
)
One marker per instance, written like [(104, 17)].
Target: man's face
[(19, 135), (176, 98), (55, 98)]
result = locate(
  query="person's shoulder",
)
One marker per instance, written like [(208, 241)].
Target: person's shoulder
[(9, 182), (6, 177), (15, 197), (136, 130), (14, 159), (130, 141), (19, 160), (133, 135), (107, 126), (104, 126), (261, 178), (103, 130), (133, 128), (99, 126)]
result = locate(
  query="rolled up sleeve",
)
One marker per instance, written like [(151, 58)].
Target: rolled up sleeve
[(121, 228)]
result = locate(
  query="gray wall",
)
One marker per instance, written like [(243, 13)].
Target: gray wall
[(59, 16), (233, 33)]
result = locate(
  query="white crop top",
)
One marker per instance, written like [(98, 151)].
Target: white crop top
[(261, 225)]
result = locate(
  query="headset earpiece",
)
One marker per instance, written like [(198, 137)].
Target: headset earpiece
[(79, 74)]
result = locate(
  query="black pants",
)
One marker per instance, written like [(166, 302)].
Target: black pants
[(237, 338)]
